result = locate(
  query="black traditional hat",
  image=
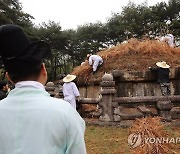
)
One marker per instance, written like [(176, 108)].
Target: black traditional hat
[(17, 52)]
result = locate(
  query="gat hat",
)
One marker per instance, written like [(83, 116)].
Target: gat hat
[(162, 64), (69, 78), (17, 52)]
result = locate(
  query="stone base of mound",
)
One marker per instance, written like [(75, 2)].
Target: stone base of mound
[(125, 123)]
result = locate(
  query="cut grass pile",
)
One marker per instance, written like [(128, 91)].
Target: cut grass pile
[(114, 140), (151, 127)]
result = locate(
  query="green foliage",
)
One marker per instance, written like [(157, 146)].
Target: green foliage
[(115, 30), (51, 32), (91, 38), (70, 47), (11, 13)]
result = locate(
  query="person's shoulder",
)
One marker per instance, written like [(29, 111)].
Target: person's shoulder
[(55, 101), (153, 68), (170, 35), (63, 108), (164, 69), (98, 56), (57, 104), (2, 94), (72, 83), (93, 56), (167, 69)]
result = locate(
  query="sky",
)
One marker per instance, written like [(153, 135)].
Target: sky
[(73, 13)]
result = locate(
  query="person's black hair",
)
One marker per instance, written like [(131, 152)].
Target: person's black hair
[(2, 84), (24, 75)]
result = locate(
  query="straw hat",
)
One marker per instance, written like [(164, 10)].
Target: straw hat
[(162, 64), (69, 78)]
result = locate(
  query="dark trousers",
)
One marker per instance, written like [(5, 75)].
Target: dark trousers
[(165, 89)]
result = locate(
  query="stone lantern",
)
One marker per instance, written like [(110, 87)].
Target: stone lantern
[(107, 91)]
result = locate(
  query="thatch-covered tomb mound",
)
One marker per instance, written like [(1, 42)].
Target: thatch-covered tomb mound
[(135, 55)]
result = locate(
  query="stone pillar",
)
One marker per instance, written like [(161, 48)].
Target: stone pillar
[(50, 88), (59, 92), (107, 91), (164, 108)]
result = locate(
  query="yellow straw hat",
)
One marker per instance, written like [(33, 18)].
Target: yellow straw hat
[(162, 64), (69, 78)]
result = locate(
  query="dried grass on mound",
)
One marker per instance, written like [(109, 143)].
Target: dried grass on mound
[(132, 56), (150, 127)]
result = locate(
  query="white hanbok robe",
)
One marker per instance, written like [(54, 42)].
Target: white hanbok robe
[(169, 38), (32, 122), (70, 92), (95, 60)]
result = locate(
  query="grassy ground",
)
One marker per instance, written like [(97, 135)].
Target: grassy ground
[(113, 140)]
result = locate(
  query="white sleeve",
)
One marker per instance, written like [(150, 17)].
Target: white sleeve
[(75, 90), (90, 60)]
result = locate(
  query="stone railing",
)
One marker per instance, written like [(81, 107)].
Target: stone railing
[(122, 109), (89, 100), (118, 109), (131, 84), (50, 88), (54, 91)]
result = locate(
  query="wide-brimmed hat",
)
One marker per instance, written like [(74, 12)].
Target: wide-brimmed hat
[(162, 64), (69, 78), (17, 52)]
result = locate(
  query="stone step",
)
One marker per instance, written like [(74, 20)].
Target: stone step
[(130, 114), (175, 113), (144, 110)]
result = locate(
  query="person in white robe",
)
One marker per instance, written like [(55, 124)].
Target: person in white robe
[(94, 61), (169, 39), (70, 90)]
